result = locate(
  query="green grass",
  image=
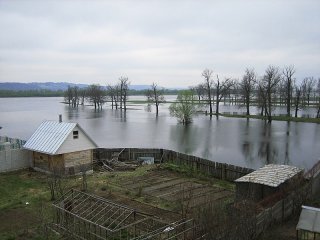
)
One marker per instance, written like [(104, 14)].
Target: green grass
[(17, 188), (274, 118), (22, 195)]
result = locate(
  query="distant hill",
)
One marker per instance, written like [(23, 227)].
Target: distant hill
[(53, 86)]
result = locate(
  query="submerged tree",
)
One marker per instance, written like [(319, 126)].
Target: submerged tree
[(288, 82), (307, 87), (318, 93), (297, 99), (200, 91), (247, 86), (72, 96), (96, 95), (124, 88), (185, 107), (68, 95), (267, 87), (155, 96), (222, 88), (208, 83)]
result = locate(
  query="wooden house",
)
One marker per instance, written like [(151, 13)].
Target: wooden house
[(61, 146)]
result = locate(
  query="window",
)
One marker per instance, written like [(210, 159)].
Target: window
[(75, 134)]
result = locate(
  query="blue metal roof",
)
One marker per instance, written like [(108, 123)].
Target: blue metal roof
[(49, 136)]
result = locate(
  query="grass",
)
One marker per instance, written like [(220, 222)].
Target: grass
[(21, 187), (24, 221), (274, 118), (21, 195)]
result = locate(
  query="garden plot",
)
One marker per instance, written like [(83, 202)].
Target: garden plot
[(174, 188)]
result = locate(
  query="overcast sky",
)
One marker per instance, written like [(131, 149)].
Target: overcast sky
[(167, 42)]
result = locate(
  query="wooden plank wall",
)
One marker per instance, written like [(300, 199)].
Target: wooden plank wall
[(218, 170)]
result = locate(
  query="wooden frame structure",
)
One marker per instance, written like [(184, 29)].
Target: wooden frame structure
[(80, 215)]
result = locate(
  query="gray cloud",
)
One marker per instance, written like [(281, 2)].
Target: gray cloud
[(169, 42)]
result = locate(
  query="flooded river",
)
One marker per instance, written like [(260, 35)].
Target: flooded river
[(250, 143)]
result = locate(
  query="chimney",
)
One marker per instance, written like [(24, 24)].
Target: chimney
[(60, 118)]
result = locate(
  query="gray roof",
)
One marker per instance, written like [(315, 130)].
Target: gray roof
[(49, 136), (309, 219), (271, 175)]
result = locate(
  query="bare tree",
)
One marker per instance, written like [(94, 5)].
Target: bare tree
[(288, 82), (111, 92), (261, 97), (208, 83), (75, 96), (247, 86), (318, 93), (82, 95), (68, 95), (268, 87), (155, 96), (297, 99), (200, 91), (96, 95), (124, 88), (222, 88), (56, 182), (307, 87)]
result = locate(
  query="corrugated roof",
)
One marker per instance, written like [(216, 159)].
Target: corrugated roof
[(49, 136), (309, 219), (271, 175)]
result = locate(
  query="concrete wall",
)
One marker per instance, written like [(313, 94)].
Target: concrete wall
[(14, 159)]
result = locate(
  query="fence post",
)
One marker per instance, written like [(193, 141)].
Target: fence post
[(223, 171), (282, 213)]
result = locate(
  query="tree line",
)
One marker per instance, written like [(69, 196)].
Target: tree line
[(31, 93), (276, 87)]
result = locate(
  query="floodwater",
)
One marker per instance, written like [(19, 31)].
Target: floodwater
[(249, 143)]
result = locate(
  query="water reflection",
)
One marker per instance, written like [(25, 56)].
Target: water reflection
[(207, 148), (247, 145), (184, 137), (287, 145), (267, 150)]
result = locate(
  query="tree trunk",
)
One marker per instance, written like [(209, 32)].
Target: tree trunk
[(217, 107), (157, 108), (288, 100), (210, 104)]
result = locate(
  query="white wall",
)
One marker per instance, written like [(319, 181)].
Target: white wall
[(74, 145)]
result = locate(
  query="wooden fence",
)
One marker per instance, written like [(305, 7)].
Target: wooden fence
[(218, 170), (283, 209)]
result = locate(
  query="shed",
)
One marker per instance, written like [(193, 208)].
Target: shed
[(61, 146), (266, 181), (308, 226)]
